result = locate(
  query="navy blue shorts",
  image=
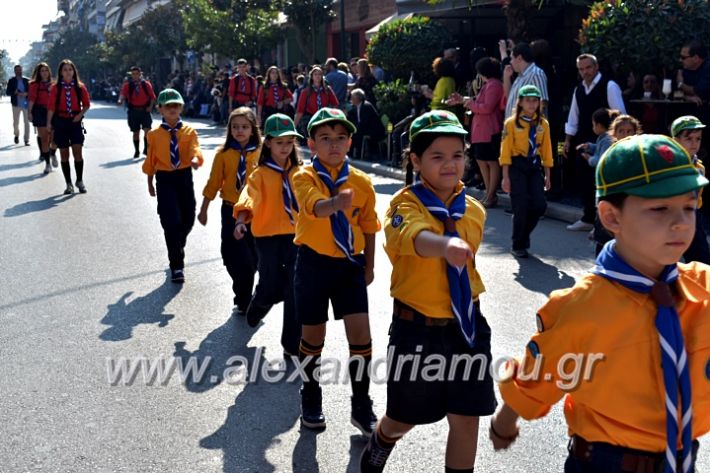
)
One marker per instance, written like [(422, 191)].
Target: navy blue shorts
[(321, 279), (464, 385), (67, 132), (39, 116), (139, 118)]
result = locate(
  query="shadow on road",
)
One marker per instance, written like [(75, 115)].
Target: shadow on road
[(122, 317), (537, 276), (11, 167), (36, 205), (8, 181), (261, 412), (123, 162)]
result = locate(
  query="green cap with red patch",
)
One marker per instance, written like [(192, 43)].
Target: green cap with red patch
[(687, 122), (650, 166), (437, 121), (169, 96), (330, 115), (279, 124)]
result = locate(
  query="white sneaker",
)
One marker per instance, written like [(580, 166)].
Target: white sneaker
[(81, 187), (47, 168), (580, 226), (55, 163)]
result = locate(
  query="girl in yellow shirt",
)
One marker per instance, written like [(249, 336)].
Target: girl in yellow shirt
[(232, 165), (269, 204)]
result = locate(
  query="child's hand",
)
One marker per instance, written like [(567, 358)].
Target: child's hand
[(195, 163), (202, 217), (457, 252), (583, 146), (369, 275), (586, 156), (508, 71), (505, 185), (454, 99), (151, 190), (344, 200), (240, 230), (502, 435)]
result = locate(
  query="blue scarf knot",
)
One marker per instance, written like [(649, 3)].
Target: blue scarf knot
[(289, 198), (242, 166), (174, 149)]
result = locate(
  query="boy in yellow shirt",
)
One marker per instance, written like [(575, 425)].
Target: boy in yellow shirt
[(173, 152), (335, 234), (637, 326)]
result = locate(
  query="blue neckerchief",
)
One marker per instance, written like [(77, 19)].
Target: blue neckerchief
[(339, 224), (319, 100), (673, 355), (459, 286), (289, 198), (67, 95), (532, 138), (174, 148), (275, 89), (242, 166)]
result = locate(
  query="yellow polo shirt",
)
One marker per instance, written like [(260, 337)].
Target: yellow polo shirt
[(263, 205), (158, 158), (623, 402), (420, 282), (515, 141), (223, 176), (315, 232)]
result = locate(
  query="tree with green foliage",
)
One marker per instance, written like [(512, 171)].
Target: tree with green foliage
[(231, 28), (643, 36), (307, 16), (81, 47), (5, 65), (407, 45)]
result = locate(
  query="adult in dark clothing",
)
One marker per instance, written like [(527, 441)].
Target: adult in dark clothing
[(694, 81), (462, 72), (367, 121), (594, 92), (18, 89), (366, 81)]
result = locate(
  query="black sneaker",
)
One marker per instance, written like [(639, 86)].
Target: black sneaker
[(177, 276), (136, 155), (17, 140), (374, 457), (238, 311), (362, 416), (255, 314), (145, 152), (312, 409)]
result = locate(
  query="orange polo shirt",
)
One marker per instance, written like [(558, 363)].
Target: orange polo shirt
[(158, 158), (421, 282), (623, 402), (223, 176), (315, 232), (262, 202)]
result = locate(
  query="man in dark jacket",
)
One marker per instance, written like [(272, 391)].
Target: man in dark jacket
[(18, 89), (367, 121)]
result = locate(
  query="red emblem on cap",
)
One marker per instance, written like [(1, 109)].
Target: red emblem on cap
[(284, 122), (443, 114), (666, 153)]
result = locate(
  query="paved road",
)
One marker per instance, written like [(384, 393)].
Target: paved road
[(84, 281)]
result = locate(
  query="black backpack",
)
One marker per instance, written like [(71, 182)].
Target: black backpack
[(132, 88)]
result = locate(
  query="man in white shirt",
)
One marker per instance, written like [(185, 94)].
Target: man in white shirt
[(594, 92)]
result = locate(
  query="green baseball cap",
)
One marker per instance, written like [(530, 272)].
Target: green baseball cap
[(651, 166), (279, 124), (168, 96), (529, 91), (436, 121), (687, 122), (328, 115)]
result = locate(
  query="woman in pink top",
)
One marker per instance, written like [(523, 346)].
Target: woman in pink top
[(486, 125)]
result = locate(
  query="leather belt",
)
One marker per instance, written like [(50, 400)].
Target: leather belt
[(631, 461), (226, 202), (404, 312)]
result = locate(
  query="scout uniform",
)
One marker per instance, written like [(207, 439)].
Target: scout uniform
[(170, 154), (527, 188), (138, 97), (231, 169), (269, 204), (698, 250), (269, 96), (330, 265), (242, 90), (624, 416), (66, 101), (424, 323), (39, 96)]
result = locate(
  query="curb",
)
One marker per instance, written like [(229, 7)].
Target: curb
[(557, 211)]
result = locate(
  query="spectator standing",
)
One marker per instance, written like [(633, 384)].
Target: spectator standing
[(594, 92), (18, 88), (337, 79), (367, 121), (366, 81), (521, 62), (445, 84)]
